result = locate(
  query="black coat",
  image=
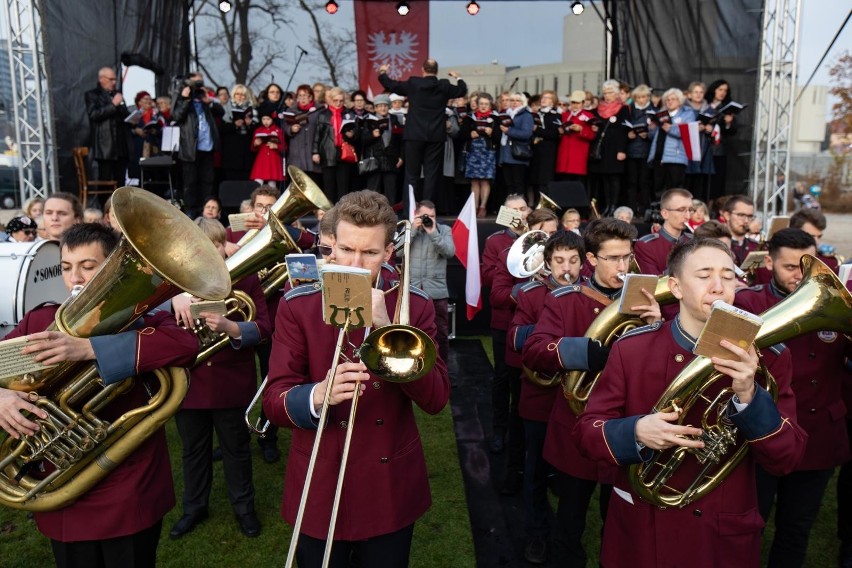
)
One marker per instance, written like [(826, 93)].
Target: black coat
[(610, 140), (545, 146), (236, 144), (183, 114), (110, 134), (324, 138), (389, 155), (427, 102)]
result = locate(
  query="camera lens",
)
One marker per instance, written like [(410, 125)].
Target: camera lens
[(427, 220)]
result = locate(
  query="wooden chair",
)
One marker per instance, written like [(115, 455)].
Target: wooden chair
[(88, 187)]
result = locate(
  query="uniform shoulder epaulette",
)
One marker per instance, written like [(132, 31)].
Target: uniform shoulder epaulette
[(649, 237), (493, 235), (302, 290), (778, 348), (569, 289), (640, 330), (46, 304), (755, 288), (417, 291), (526, 287)]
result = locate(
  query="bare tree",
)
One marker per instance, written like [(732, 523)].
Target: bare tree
[(335, 48), (249, 43)]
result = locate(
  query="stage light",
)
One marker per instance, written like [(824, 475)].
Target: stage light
[(402, 8), (577, 8), (472, 8), (331, 7), (224, 6)]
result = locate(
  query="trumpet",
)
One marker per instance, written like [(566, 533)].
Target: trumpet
[(397, 353)]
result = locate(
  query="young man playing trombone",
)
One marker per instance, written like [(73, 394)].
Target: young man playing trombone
[(386, 487), (625, 423)]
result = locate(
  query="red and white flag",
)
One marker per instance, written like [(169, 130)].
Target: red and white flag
[(467, 251), (691, 136), (716, 135), (385, 38)]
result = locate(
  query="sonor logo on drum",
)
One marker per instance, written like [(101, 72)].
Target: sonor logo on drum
[(47, 273)]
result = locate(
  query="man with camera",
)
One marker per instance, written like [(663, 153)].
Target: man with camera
[(195, 112), (431, 246)]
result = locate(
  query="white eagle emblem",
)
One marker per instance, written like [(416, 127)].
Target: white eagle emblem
[(397, 50)]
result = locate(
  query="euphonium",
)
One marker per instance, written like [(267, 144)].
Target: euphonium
[(821, 302), (140, 274), (607, 327), (264, 254), (546, 202)]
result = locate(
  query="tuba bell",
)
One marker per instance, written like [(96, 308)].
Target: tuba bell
[(140, 274), (607, 327), (526, 255), (546, 202), (820, 303)]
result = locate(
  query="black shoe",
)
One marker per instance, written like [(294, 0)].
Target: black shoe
[(535, 552), (249, 524), (187, 524), (512, 483), (217, 454), (497, 444), (270, 453)]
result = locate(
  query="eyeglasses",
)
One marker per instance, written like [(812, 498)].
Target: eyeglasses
[(743, 216), (261, 208), (30, 232), (325, 250), (626, 259), (682, 210)]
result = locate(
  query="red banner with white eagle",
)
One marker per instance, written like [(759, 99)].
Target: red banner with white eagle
[(385, 37)]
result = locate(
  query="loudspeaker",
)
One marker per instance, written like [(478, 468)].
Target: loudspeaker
[(234, 192), (568, 194)]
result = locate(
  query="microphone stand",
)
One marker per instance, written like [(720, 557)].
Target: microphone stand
[(302, 53)]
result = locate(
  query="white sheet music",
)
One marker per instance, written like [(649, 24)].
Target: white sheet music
[(171, 138)]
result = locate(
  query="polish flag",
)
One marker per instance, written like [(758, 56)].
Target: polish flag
[(467, 251), (716, 135), (412, 204), (691, 137)]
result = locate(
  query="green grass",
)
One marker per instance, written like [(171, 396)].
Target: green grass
[(441, 538)]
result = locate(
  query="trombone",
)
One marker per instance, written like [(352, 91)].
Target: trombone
[(398, 353)]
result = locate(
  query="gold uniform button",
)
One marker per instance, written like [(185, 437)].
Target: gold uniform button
[(597, 310), (209, 363), (377, 384), (384, 460), (343, 424), (679, 358), (380, 422)]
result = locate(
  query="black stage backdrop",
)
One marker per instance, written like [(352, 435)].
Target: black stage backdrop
[(82, 36), (664, 44)]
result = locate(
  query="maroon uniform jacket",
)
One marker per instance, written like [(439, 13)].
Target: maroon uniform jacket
[(536, 401), (818, 375), (652, 250), (139, 492), (494, 245), (557, 344), (741, 249), (501, 300), (763, 276), (386, 485), (228, 379), (723, 528)]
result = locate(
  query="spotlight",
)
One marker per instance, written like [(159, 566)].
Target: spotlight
[(224, 6), (403, 8), (331, 7), (577, 8), (472, 8)]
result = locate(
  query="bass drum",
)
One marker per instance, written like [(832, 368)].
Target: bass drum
[(31, 275)]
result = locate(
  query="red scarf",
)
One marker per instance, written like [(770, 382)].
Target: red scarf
[(305, 108), (336, 123), (482, 115), (606, 110)]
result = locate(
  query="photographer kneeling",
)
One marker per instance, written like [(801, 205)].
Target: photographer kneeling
[(431, 246)]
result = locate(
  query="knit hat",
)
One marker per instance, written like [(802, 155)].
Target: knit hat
[(395, 97), (382, 100), (269, 109), (20, 224)]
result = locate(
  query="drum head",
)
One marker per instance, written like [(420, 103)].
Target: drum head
[(32, 276)]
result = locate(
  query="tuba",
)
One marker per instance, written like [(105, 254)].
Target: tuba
[(821, 302), (607, 327), (546, 202), (264, 254), (140, 274)]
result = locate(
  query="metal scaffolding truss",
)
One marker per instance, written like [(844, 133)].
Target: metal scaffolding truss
[(774, 117), (30, 99)]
